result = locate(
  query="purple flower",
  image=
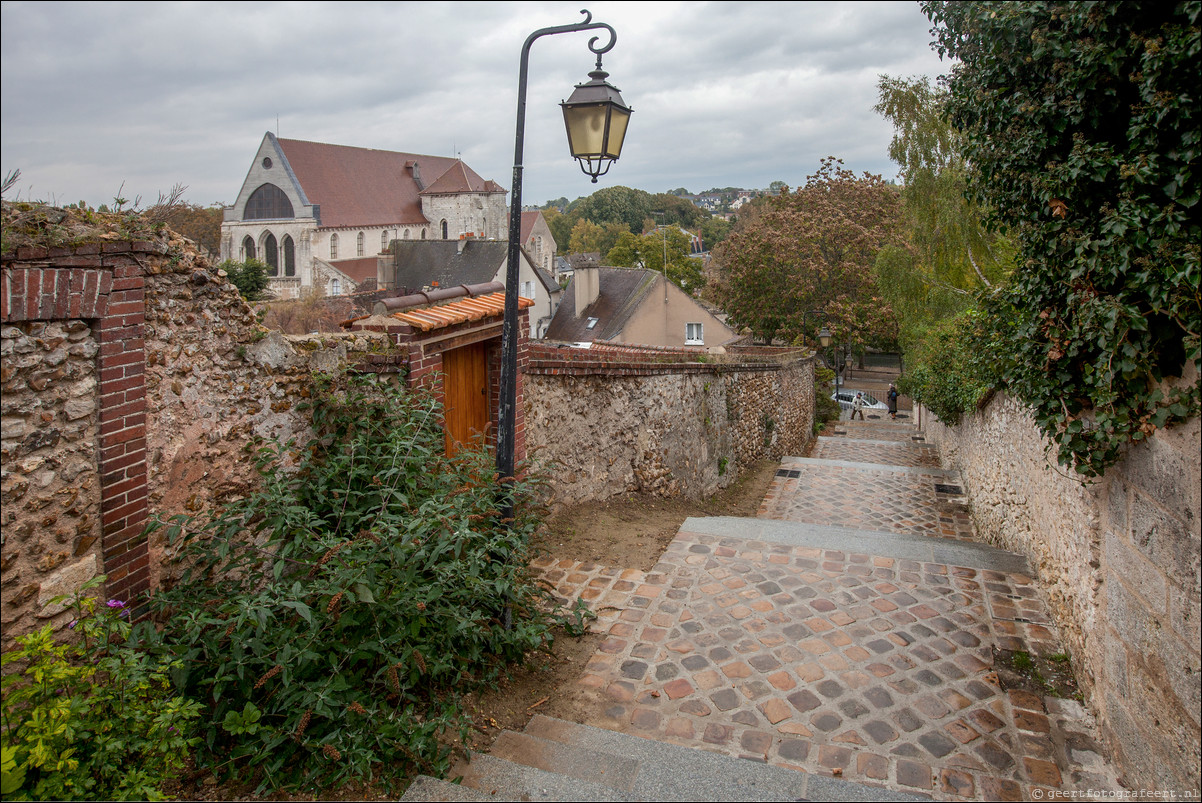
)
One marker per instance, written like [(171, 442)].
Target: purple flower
[(115, 603), (72, 624)]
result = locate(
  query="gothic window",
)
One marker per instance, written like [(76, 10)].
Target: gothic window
[(423, 234), (289, 256), (268, 202), (383, 241), (333, 246), (360, 242), (444, 230), (271, 253), (406, 234), (335, 287), (248, 248)]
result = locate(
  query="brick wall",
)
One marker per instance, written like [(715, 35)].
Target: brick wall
[(1120, 559)]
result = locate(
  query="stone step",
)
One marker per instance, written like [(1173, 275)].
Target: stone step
[(902, 546), (612, 770), (672, 772), (424, 788), (500, 779)]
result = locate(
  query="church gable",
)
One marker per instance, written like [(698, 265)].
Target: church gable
[(271, 190)]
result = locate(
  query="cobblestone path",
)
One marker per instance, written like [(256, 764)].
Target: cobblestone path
[(849, 630)]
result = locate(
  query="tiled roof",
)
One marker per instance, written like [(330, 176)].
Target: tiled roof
[(461, 311), (528, 221), (620, 292), (357, 269), (363, 186), (460, 178), (442, 263)]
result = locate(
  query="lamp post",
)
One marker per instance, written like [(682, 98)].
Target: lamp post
[(596, 118)]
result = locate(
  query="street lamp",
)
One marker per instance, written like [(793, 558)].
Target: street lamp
[(596, 120)]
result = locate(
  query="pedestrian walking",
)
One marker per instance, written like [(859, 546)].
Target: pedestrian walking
[(892, 401), (857, 406)]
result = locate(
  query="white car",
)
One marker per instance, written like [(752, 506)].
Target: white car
[(846, 397)]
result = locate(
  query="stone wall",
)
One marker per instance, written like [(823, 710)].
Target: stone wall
[(51, 486), (1120, 559), (134, 377), (612, 420)]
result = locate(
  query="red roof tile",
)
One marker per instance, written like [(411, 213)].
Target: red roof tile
[(461, 311), (362, 186), (460, 178)]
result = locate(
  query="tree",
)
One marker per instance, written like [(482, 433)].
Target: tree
[(561, 228), (677, 211), (713, 231), (588, 237), (250, 277), (812, 249), (202, 224), (615, 205), (948, 253), (647, 251), (1080, 127)]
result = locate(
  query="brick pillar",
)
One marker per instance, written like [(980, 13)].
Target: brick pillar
[(123, 478)]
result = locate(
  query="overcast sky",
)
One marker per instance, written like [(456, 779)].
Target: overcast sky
[(724, 93)]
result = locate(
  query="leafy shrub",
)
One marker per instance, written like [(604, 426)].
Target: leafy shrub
[(945, 372), (1080, 123), (92, 719), (825, 408), (331, 618), (250, 277)]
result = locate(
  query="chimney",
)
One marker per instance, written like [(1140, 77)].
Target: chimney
[(586, 286), (417, 174)]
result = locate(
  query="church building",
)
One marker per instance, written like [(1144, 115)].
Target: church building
[(319, 214)]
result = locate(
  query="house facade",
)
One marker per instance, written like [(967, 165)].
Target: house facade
[(538, 240), (636, 306), (317, 213)]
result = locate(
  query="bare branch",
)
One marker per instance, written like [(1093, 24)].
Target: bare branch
[(973, 262)]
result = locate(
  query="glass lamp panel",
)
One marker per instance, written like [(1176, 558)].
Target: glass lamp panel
[(586, 129), (618, 118)]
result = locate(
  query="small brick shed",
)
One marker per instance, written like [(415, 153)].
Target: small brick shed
[(450, 341)]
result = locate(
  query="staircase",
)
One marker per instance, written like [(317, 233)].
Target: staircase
[(557, 760)]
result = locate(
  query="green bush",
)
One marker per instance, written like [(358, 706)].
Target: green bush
[(825, 408), (1080, 123), (93, 719), (944, 372), (250, 277), (331, 619)]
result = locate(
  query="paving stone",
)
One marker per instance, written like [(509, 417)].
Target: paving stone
[(863, 647)]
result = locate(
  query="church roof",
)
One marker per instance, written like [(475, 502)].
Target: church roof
[(367, 187), (460, 178)]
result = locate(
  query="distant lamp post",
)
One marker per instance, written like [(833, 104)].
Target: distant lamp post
[(596, 120)]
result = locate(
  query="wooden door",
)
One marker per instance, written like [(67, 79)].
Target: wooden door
[(465, 395)]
